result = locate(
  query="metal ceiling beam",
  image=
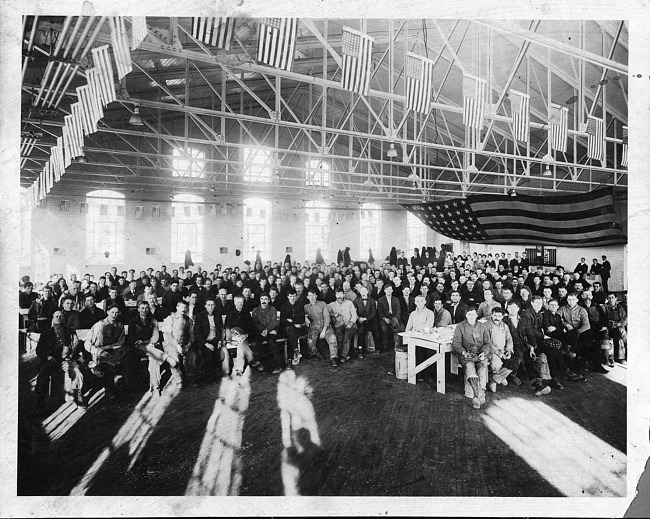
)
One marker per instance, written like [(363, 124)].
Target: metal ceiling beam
[(584, 55)]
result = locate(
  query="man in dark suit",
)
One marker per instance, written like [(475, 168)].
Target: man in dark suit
[(208, 333), (389, 317), (605, 273), (581, 267), (457, 308), (366, 318)]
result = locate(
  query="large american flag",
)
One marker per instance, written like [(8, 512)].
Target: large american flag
[(573, 220), (559, 123), (419, 82), (520, 105), (215, 31), (595, 137), (473, 101), (276, 42), (357, 61), (624, 157)]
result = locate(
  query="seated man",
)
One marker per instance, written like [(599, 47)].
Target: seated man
[(177, 345), (41, 312), (27, 296), (292, 323), (472, 345), (144, 338), (366, 308), (579, 338), (209, 334), (488, 304), (502, 348), (239, 318), (90, 314), (242, 352), (422, 320), (388, 315), (344, 321), (70, 316), (616, 328), (317, 319), (114, 299), (57, 351), (598, 323), (265, 322), (106, 346), (441, 316)]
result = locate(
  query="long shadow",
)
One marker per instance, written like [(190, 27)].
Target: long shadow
[(261, 454), (49, 467), (165, 464)]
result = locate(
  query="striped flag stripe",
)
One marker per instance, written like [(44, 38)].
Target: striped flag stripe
[(520, 105), (581, 211), (90, 123), (215, 31), (67, 156), (559, 127), (559, 225), (419, 83), (473, 101), (104, 68), (276, 42), (595, 137), (624, 155), (357, 61), (138, 31), (120, 41), (579, 242), (586, 229)]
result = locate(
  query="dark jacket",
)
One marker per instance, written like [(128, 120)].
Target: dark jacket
[(457, 315), (382, 308), (202, 327), (49, 346)]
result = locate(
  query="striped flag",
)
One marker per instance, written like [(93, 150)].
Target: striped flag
[(357, 61), (419, 82), (215, 31), (276, 42), (520, 105), (473, 101), (624, 157), (120, 40), (595, 137), (103, 75), (26, 146), (559, 126), (571, 220), (139, 31)]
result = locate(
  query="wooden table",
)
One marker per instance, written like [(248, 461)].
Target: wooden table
[(439, 344)]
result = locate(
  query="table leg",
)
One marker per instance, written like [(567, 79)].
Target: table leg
[(412, 378), (441, 374)]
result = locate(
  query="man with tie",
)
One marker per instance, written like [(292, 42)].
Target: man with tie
[(366, 311), (389, 314), (457, 309), (292, 324)]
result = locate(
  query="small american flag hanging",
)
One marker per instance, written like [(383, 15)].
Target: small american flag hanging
[(473, 101), (214, 31), (595, 137), (357, 61), (276, 42)]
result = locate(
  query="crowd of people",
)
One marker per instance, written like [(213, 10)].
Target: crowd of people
[(511, 320)]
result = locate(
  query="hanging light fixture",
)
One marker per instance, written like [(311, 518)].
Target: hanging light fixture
[(392, 152), (547, 162), (368, 182), (136, 119)]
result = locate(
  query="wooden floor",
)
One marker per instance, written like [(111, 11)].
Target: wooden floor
[(355, 430)]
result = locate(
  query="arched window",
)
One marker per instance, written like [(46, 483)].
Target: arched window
[(370, 231), (188, 163), (317, 229), (187, 228), (258, 166), (416, 232), (105, 227), (318, 173), (257, 229)]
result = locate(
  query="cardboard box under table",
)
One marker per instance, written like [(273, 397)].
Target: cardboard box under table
[(439, 341)]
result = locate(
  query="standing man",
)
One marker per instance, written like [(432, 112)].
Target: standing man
[(389, 314), (605, 273)]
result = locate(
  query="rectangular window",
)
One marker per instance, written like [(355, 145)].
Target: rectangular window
[(255, 236), (104, 237), (370, 229), (416, 232)]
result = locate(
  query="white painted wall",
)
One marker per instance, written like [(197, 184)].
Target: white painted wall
[(52, 228)]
